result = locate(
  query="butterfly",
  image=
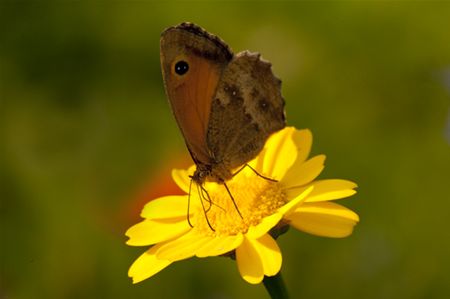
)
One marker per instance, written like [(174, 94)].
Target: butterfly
[(226, 105)]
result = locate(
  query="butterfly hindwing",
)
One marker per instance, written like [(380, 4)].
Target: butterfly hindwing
[(246, 109)]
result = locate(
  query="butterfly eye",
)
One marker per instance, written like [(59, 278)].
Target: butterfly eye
[(181, 67)]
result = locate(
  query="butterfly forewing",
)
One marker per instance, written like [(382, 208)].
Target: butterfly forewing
[(190, 93)]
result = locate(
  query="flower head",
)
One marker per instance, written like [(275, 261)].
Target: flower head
[(245, 227)]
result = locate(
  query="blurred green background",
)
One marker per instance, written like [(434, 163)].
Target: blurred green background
[(87, 137)]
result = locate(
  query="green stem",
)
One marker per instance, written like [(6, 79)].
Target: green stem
[(275, 286)]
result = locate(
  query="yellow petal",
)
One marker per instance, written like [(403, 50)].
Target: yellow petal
[(326, 190), (258, 257), (331, 189), (182, 179), (182, 248), (302, 173), (166, 207), (280, 153), (270, 254), (220, 245), (255, 232), (147, 265), (249, 263), (303, 142), (292, 205), (150, 232), (326, 219)]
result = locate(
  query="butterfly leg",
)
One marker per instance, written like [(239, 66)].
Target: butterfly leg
[(201, 191), (232, 199), (257, 173), (206, 198), (240, 169)]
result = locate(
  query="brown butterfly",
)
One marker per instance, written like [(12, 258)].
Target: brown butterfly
[(226, 105)]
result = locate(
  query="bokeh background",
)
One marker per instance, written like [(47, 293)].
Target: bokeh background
[(87, 138)]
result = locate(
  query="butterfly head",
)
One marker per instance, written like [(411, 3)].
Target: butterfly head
[(202, 173)]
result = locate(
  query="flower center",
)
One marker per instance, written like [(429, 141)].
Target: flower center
[(255, 198)]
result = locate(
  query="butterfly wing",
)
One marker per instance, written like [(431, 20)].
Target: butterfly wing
[(247, 108), (190, 90)]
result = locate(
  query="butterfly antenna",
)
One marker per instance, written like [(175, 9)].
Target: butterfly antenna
[(232, 199), (189, 205), (202, 198)]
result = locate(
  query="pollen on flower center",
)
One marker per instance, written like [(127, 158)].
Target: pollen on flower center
[(255, 198)]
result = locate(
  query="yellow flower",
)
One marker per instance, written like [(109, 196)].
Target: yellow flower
[(295, 199)]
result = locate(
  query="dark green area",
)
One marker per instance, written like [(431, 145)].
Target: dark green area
[(84, 122)]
